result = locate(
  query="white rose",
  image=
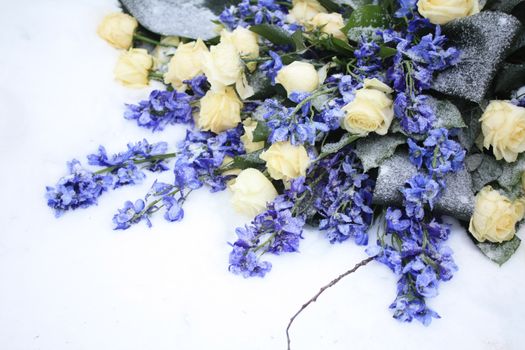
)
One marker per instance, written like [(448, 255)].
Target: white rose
[(330, 23), (444, 11), (251, 191), (285, 161), (246, 43), (298, 77), (222, 65), (185, 64), (495, 216), (118, 29), (249, 126), (503, 127), (133, 67), (219, 110), (304, 10), (371, 110)]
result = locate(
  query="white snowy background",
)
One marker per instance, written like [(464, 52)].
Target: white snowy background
[(74, 283)]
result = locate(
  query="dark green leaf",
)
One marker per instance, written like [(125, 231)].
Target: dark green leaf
[(245, 161), (367, 16), (386, 51), (275, 34), (298, 41), (488, 170), (262, 86), (330, 5), (499, 252), (510, 77), (374, 149), (261, 132)]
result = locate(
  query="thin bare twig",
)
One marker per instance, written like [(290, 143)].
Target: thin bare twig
[(314, 298)]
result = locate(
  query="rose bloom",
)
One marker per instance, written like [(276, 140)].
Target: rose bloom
[(330, 23), (220, 110), (133, 67), (298, 77), (222, 65), (249, 126), (503, 127), (251, 191), (185, 64), (304, 10), (495, 216), (117, 29), (285, 161), (246, 43), (370, 111), (444, 11)]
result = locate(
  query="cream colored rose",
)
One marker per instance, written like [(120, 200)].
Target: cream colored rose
[(495, 216), (444, 11), (304, 10), (249, 126), (246, 43), (285, 161), (251, 191), (118, 29), (503, 127), (133, 67), (219, 110), (186, 63), (330, 23), (298, 77), (222, 65), (370, 111)]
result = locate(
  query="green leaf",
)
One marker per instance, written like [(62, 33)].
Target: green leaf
[(385, 51), (275, 34), (499, 252), (335, 147), (245, 161), (330, 5), (367, 16), (448, 115), (374, 149), (298, 41), (511, 175), (489, 170), (262, 86), (261, 132)]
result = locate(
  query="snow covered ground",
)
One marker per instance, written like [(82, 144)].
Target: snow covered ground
[(74, 283)]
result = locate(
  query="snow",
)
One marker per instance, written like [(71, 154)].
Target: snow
[(74, 283)]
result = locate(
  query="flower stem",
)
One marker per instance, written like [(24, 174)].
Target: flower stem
[(145, 39), (137, 161)]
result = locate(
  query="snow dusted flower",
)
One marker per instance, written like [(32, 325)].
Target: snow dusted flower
[(371, 110), (117, 29), (286, 161), (495, 216), (133, 67), (185, 64), (503, 126), (444, 11), (251, 192), (220, 110), (298, 77)]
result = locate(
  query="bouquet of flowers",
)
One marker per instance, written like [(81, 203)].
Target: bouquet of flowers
[(338, 114)]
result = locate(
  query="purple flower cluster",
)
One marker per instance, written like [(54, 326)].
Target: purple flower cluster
[(277, 230), (248, 13), (82, 187), (368, 59), (345, 199), (415, 251), (163, 108), (272, 67), (294, 124), (413, 67)]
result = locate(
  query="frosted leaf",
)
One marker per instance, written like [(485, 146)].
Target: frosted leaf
[(467, 136), (373, 150), (457, 200), (510, 178), (186, 18), (489, 170), (484, 40), (499, 252), (448, 115)]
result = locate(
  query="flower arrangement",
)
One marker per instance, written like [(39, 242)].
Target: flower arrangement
[(341, 115)]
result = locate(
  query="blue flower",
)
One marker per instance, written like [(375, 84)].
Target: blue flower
[(272, 67), (244, 261), (163, 108), (130, 214)]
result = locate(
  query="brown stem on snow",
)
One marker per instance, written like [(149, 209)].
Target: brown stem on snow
[(314, 298)]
